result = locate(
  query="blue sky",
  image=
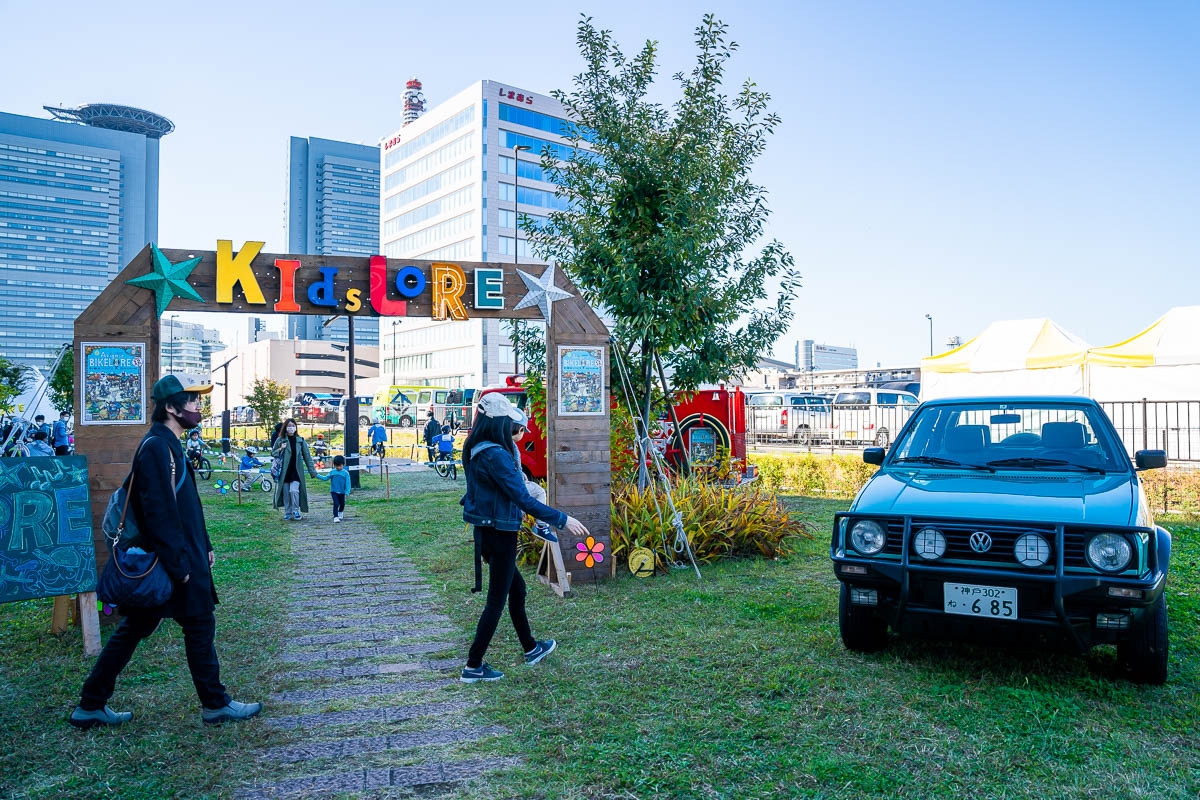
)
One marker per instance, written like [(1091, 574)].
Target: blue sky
[(971, 160)]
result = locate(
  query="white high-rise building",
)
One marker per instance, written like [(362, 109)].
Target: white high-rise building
[(450, 185)]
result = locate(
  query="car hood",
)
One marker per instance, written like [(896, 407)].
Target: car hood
[(1052, 497)]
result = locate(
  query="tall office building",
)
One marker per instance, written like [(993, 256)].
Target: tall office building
[(78, 200), (450, 191), (187, 348), (333, 210), (813, 356)]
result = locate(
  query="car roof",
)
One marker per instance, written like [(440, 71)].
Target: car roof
[(1065, 399)]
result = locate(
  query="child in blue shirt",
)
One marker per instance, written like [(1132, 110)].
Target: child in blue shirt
[(339, 486), (444, 442), (248, 464)]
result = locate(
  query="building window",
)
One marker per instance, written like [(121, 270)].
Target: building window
[(441, 130), (456, 174)]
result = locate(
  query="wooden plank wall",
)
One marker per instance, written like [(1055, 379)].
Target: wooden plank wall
[(578, 448)]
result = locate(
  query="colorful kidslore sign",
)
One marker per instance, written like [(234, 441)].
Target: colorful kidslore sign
[(247, 280)]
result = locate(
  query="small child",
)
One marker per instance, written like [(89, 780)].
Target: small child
[(339, 486), (540, 529), (248, 462), (445, 443)]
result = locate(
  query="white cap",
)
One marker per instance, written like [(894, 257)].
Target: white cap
[(495, 404)]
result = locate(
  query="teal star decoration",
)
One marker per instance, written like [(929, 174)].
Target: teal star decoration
[(167, 280)]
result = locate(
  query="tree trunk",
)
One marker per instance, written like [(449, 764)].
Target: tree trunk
[(644, 412)]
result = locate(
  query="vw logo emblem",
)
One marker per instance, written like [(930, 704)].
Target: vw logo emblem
[(981, 542)]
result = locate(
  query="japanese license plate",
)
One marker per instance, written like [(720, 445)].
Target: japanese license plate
[(997, 602)]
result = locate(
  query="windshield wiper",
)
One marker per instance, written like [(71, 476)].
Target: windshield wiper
[(1033, 461), (943, 462)]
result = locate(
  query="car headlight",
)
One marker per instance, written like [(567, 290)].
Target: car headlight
[(1032, 550), (1109, 552), (868, 537), (929, 544)]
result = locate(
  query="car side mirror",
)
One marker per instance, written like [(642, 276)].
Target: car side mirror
[(873, 455), (1150, 459)]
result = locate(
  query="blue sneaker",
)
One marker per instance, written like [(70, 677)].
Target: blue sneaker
[(543, 648), (543, 532), (483, 672)]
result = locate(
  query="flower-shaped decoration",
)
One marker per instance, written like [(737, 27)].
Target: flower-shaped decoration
[(221, 486), (590, 552)]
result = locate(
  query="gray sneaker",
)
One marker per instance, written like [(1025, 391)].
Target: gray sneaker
[(104, 716), (232, 712), (484, 672)]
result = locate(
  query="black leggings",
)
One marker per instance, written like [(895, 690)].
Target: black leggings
[(504, 583)]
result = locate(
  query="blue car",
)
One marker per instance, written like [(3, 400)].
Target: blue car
[(1000, 517)]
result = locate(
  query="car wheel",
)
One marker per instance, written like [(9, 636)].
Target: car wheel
[(803, 435), (406, 422), (364, 421), (883, 438), (863, 629), (1144, 654)]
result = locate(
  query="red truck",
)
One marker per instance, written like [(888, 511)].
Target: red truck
[(710, 419)]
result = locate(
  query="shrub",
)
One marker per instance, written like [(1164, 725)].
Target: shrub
[(719, 521), (812, 474)]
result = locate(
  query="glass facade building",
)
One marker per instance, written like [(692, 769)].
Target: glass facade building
[(77, 203), (332, 209), (452, 185)]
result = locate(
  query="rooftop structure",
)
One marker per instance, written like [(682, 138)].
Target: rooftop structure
[(115, 117)]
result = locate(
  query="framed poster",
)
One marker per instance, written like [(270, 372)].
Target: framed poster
[(580, 381), (114, 383)]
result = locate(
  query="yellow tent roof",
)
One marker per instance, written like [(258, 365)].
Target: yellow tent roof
[(1013, 345), (1174, 338)]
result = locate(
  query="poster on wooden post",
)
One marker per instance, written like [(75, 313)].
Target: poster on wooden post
[(581, 381), (114, 383)]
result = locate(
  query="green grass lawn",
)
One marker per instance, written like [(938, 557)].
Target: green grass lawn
[(732, 686), (737, 686)]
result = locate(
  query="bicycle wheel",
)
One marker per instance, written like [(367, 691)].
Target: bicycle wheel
[(204, 468), (236, 485), (454, 470), (266, 485), (442, 468)]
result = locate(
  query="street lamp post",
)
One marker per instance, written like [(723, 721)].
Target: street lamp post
[(225, 413), (517, 150), (930, 318), (395, 322), (171, 362)]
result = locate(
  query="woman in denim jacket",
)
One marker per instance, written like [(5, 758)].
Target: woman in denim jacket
[(495, 503)]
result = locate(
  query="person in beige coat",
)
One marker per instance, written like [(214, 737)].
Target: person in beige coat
[(290, 491)]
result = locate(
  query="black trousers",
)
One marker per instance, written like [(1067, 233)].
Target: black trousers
[(504, 583), (339, 502), (198, 639), (62, 450)]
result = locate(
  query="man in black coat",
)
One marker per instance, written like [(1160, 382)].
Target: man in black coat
[(166, 505), (432, 429)]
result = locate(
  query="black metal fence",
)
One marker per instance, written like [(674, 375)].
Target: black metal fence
[(1170, 425)]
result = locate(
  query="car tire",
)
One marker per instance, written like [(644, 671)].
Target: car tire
[(863, 629), (1144, 654), (803, 435), (883, 438), (406, 422), (364, 421)]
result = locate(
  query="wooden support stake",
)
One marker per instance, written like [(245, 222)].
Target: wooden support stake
[(552, 572), (58, 619), (89, 618), (387, 481)]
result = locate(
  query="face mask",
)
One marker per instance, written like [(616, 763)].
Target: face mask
[(190, 419), (291, 431)]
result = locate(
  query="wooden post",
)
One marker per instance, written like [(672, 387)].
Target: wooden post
[(387, 481), (59, 622), (552, 572), (89, 619)]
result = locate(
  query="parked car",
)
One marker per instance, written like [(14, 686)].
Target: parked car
[(1007, 518), (870, 415), (792, 416)]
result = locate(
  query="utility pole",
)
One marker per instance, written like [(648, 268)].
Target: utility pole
[(171, 362), (225, 412), (517, 150), (350, 423), (930, 318)]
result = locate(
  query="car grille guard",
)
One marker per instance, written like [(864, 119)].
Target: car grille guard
[(1062, 538)]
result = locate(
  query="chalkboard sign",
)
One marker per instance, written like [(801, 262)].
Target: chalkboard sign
[(46, 545)]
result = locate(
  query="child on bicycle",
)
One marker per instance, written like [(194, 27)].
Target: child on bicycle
[(195, 445), (339, 486), (249, 465), (444, 442)]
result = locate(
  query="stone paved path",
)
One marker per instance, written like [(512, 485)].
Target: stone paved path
[(369, 700)]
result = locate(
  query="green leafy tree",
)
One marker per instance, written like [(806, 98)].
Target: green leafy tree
[(665, 219), (14, 379), (268, 399), (62, 382)]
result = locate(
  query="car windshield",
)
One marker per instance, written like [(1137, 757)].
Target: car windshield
[(1023, 436)]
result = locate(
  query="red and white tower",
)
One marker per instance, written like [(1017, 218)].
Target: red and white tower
[(414, 101)]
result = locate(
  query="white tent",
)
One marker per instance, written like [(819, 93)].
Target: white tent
[(35, 399), (1160, 363), (1012, 357)]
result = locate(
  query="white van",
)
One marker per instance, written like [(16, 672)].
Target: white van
[(794, 416), (872, 416)]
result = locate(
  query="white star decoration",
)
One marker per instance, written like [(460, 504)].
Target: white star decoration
[(542, 292)]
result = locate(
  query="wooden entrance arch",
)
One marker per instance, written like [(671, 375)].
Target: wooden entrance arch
[(249, 281)]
